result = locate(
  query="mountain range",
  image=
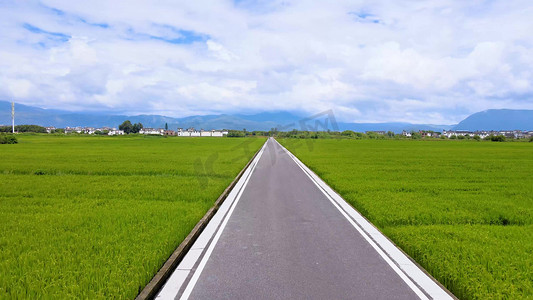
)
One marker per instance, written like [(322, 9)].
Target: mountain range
[(494, 119), (498, 119)]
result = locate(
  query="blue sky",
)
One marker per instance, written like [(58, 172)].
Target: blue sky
[(370, 61)]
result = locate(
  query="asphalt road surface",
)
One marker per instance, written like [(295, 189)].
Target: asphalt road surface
[(286, 240)]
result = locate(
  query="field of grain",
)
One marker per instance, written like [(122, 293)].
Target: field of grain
[(96, 217), (462, 209)]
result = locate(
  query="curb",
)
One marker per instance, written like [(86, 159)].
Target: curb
[(160, 278)]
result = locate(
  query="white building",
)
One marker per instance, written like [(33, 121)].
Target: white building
[(219, 133), (158, 131), (89, 130), (482, 134), (450, 133), (115, 132), (74, 129), (194, 132)]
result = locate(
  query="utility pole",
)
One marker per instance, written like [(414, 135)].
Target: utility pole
[(13, 116)]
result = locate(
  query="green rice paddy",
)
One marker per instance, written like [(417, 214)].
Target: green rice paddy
[(462, 209), (96, 217)]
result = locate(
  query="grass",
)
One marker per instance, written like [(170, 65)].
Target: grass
[(96, 217), (462, 209)]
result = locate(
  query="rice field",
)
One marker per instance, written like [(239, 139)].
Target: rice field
[(462, 209), (96, 217)]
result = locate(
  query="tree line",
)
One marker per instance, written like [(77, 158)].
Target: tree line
[(24, 128), (130, 128), (349, 134)]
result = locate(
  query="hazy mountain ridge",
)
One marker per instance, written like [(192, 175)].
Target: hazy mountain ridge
[(491, 119), (498, 119)]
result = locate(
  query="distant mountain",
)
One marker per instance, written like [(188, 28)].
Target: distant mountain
[(272, 117), (263, 121), (47, 117), (498, 119)]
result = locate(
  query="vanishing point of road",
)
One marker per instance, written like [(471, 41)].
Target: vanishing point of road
[(282, 233)]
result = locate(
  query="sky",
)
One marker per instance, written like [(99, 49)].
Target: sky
[(415, 61)]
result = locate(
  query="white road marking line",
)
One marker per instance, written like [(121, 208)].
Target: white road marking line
[(203, 262), (422, 280), (173, 284)]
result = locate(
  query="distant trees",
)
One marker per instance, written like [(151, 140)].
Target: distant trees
[(8, 139), (374, 136), (235, 133), (415, 135), (130, 128), (137, 127), (258, 133), (360, 135), (58, 130), (496, 138), (24, 128), (103, 132), (348, 133), (126, 126)]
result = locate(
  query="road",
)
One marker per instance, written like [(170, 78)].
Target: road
[(284, 238)]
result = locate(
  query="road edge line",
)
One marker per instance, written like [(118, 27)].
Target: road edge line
[(160, 278)]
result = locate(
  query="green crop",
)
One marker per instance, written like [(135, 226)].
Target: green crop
[(463, 210), (96, 217)]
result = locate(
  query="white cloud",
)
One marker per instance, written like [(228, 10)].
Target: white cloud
[(220, 52), (431, 61)]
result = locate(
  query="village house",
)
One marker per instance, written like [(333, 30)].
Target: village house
[(516, 134), (425, 133), (158, 131), (193, 132), (219, 133), (113, 131), (170, 132), (406, 133), (74, 129), (188, 132), (512, 134), (456, 133), (91, 130), (49, 129), (481, 134)]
